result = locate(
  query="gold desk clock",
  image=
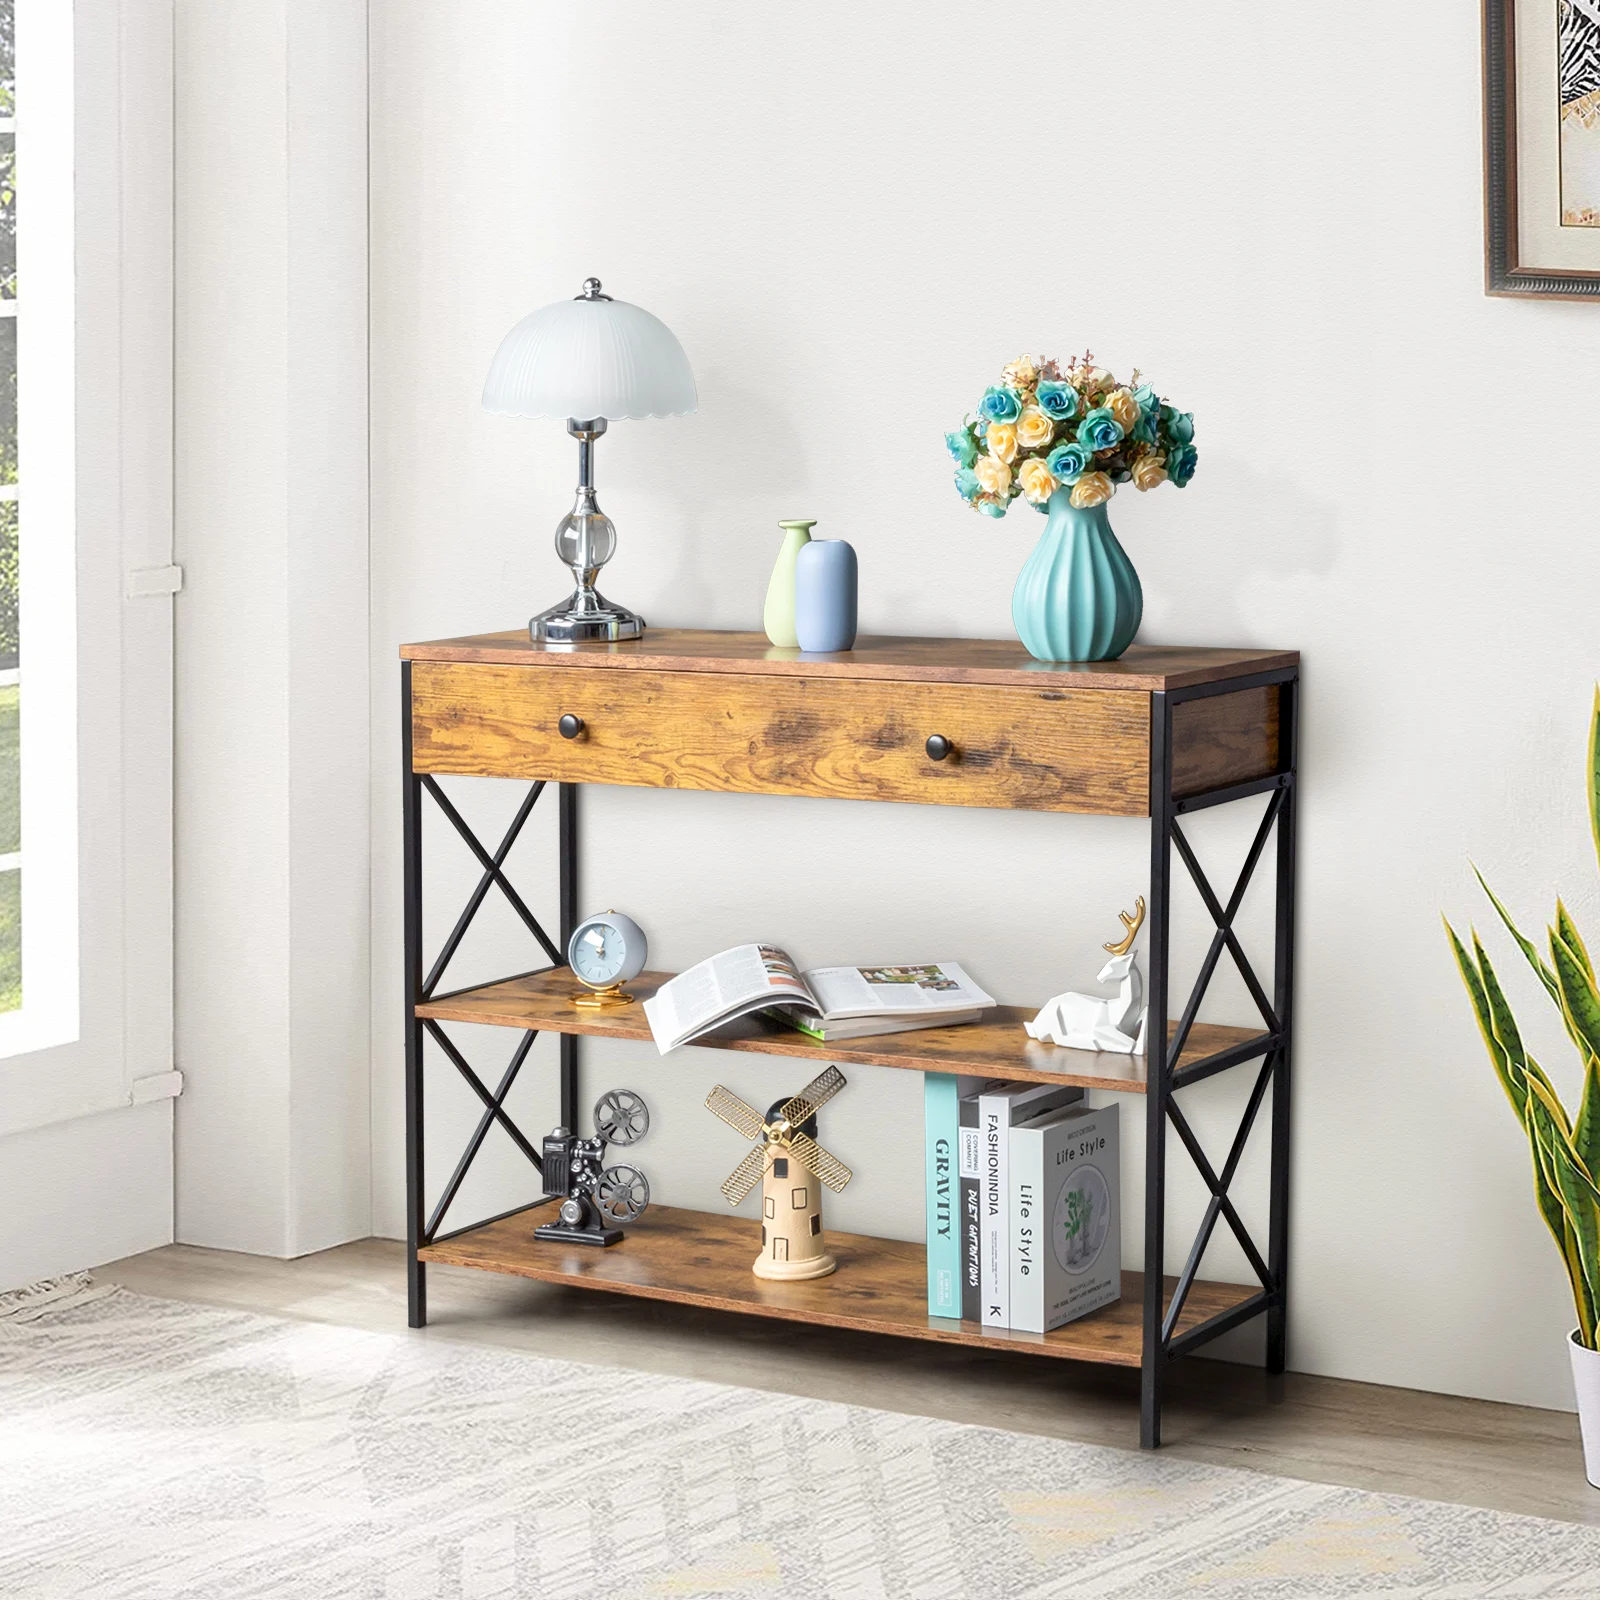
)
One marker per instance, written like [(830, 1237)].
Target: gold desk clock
[(604, 952)]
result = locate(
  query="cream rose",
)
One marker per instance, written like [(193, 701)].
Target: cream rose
[(1121, 404), (1001, 438), (1149, 470), (1037, 480), (1092, 489), (1034, 428), (993, 474), (1022, 374)]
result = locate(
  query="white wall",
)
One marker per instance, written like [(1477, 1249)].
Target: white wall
[(79, 1193), (272, 762), (852, 216)]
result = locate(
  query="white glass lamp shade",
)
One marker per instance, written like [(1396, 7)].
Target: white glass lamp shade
[(590, 358)]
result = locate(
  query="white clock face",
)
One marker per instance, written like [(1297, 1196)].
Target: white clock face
[(598, 953), (606, 949)]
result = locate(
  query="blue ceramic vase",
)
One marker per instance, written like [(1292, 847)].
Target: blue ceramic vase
[(825, 596), (1078, 598)]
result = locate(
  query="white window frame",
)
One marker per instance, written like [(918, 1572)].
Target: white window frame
[(99, 703), (46, 493)]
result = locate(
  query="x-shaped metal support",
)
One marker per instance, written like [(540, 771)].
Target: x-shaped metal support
[(494, 1111), (493, 876), (1224, 938), (1219, 1204)]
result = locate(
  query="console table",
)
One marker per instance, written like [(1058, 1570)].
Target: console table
[(967, 722)]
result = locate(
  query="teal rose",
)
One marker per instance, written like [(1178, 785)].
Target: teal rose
[(1180, 425), (1099, 430), (961, 448), (1182, 459), (1149, 404), (1069, 462), (967, 485), (1058, 401), (993, 508), (1000, 405)]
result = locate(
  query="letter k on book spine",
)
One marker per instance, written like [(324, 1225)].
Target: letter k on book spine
[(999, 1110), (994, 1208)]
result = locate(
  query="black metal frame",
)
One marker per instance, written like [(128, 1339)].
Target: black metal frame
[(422, 1226), (1271, 1047), (1162, 1342)]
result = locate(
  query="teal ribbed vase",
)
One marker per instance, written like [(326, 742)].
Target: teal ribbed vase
[(1078, 598)]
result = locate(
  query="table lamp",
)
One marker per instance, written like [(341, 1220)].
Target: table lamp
[(592, 360)]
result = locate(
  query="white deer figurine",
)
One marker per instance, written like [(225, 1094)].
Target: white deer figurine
[(1090, 1022)]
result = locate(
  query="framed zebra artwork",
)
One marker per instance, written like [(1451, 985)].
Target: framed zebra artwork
[(1541, 147)]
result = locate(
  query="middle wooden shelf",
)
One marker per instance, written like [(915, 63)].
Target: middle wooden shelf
[(995, 1047)]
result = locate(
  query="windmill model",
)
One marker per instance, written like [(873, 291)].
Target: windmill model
[(790, 1166)]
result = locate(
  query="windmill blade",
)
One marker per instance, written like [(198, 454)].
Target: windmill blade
[(813, 1097), (743, 1119), (745, 1176), (830, 1169)]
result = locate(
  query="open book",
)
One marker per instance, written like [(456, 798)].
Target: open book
[(760, 977)]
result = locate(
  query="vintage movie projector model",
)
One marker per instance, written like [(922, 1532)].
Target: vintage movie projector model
[(599, 1199), (790, 1166)]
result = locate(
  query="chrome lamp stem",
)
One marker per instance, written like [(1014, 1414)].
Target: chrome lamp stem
[(585, 540)]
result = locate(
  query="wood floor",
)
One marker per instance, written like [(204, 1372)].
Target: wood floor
[(1472, 1452)]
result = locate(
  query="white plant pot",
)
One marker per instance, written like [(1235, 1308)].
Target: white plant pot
[(1586, 1380)]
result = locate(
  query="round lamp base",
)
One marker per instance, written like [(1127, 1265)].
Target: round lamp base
[(575, 623)]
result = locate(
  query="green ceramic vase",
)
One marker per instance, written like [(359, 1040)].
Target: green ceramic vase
[(1078, 597), (778, 616)]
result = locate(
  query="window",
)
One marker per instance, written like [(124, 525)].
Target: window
[(38, 632), (10, 675), (87, 484)]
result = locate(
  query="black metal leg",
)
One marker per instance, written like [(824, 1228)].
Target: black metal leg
[(416, 1222), (1283, 1004), (1157, 1088), (567, 825)]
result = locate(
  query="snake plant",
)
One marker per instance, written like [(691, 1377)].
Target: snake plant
[(1565, 1151)]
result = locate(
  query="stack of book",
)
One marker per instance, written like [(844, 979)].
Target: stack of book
[(1023, 1189)]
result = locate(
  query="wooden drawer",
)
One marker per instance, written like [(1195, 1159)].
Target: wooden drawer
[(1225, 738), (1045, 749)]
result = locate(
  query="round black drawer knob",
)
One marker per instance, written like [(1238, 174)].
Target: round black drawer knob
[(938, 747), (570, 726)]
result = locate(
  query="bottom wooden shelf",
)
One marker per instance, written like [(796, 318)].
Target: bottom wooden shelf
[(703, 1259)]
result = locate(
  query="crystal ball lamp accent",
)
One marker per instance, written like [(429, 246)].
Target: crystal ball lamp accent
[(594, 361)]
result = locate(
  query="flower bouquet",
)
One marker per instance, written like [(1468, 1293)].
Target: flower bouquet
[(1044, 429), (1063, 439)]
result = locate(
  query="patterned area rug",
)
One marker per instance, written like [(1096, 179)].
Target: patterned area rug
[(151, 1449)]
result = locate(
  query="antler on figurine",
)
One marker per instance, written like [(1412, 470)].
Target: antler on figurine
[(1098, 1022), (1131, 926)]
